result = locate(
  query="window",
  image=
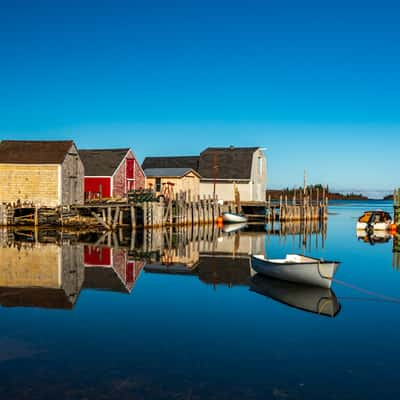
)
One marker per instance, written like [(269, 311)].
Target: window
[(158, 184)]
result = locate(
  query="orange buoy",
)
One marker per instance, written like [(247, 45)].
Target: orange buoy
[(220, 222), (393, 229)]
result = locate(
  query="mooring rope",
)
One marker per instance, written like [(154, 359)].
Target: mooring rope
[(368, 292)]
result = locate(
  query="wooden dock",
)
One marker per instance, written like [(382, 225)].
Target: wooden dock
[(182, 210), (109, 215)]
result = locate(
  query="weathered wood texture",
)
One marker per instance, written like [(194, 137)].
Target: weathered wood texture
[(49, 185)]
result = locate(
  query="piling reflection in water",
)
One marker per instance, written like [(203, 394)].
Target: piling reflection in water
[(49, 268)]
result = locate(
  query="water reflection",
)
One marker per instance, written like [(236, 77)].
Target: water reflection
[(40, 275), (373, 237), (108, 268), (313, 299), (49, 268)]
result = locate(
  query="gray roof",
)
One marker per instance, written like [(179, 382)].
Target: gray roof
[(102, 162), (34, 152), (232, 162), (172, 162), (168, 172)]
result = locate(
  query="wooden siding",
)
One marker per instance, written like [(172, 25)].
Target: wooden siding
[(189, 182), (139, 176), (43, 184), (122, 181), (72, 178), (25, 267), (94, 186), (119, 181), (32, 183)]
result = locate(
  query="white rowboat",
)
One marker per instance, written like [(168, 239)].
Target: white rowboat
[(297, 268), (233, 218)]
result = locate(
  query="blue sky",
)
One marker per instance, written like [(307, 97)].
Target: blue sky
[(316, 82)]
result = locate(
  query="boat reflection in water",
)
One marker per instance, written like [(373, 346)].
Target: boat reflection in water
[(230, 228), (373, 237), (308, 298)]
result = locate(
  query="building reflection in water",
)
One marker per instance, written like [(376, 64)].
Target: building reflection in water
[(216, 257), (40, 275), (108, 268), (49, 268)]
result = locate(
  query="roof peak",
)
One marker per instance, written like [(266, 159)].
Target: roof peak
[(112, 149)]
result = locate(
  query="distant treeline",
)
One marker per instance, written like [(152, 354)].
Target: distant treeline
[(290, 192)]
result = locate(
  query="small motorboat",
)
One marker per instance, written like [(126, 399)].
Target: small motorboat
[(375, 220), (321, 301), (233, 218), (297, 268)]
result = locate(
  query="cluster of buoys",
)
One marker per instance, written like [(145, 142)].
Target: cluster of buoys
[(393, 229)]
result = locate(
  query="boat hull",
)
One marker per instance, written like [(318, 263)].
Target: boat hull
[(233, 218), (313, 273), (321, 301), (380, 226)]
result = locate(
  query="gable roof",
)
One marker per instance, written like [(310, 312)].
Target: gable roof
[(172, 162), (34, 152), (168, 172), (102, 162), (232, 162)]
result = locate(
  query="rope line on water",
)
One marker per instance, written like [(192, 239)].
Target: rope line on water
[(368, 292)]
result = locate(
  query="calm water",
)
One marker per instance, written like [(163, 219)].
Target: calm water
[(101, 323)]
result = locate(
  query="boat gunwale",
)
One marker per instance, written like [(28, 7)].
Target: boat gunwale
[(296, 263)]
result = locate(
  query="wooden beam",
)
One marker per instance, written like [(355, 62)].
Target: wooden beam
[(100, 221)]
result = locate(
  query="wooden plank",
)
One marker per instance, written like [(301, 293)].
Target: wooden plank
[(100, 221)]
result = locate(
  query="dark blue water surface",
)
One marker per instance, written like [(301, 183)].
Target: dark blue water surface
[(201, 333)]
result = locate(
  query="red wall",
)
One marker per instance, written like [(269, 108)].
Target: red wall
[(97, 256), (129, 176), (92, 186)]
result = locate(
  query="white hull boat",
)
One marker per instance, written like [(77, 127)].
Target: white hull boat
[(297, 268), (233, 218), (321, 301), (381, 226), (377, 220)]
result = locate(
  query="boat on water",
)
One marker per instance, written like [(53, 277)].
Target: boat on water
[(318, 300), (297, 268), (375, 220), (231, 228), (232, 218)]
